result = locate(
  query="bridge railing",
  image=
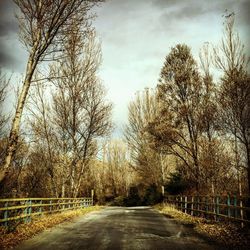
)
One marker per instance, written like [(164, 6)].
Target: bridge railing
[(24, 209), (217, 208)]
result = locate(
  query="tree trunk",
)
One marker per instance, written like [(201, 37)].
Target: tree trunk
[(248, 174), (248, 168), (14, 133), (248, 178)]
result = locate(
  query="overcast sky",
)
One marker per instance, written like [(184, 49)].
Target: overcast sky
[(136, 36)]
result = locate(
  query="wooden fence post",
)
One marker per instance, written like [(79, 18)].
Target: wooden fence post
[(206, 200), (192, 205), (58, 207), (185, 204), (235, 207), (92, 196), (26, 211), (50, 207), (181, 203), (5, 216), (198, 206), (29, 210), (40, 208), (63, 207), (217, 208), (214, 198), (228, 206), (241, 211)]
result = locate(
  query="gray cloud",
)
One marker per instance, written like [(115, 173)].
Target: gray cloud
[(166, 3), (136, 36), (12, 55), (5, 58), (192, 9), (8, 22), (244, 13), (7, 27), (8, 32)]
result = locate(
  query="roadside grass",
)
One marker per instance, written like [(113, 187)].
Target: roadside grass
[(25, 231), (224, 233)]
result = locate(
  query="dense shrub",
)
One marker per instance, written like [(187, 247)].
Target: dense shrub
[(176, 183)]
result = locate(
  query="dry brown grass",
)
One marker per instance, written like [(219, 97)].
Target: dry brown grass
[(226, 234), (25, 231)]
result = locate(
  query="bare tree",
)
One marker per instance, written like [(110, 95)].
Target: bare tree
[(116, 160), (146, 161), (4, 83), (43, 132), (43, 25), (180, 92), (141, 111), (81, 114), (210, 143), (235, 90)]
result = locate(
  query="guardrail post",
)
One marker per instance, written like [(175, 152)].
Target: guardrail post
[(185, 204), (5, 216), (26, 211), (181, 204), (92, 196), (206, 200), (228, 206), (50, 207), (58, 206), (217, 208), (235, 207), (40, 208), (30, 211), (192, 205), (74, 204), (241, 211), (63, 201), (198, 205), (214, 206)]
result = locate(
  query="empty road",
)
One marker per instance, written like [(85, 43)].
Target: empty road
[(119, 228)]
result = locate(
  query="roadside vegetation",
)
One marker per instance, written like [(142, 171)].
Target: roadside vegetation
[(223, 233), (10, 237)]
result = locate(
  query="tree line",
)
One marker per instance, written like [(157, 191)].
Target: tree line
[(57, 144), (191, 133), (61, 105)]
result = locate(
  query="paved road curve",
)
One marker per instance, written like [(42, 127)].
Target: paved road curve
[(119, 228)]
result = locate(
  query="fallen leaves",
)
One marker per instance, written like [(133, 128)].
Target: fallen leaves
[(226, 234), (39, 224)]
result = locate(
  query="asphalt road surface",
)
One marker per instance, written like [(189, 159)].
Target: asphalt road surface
[(119, 228)]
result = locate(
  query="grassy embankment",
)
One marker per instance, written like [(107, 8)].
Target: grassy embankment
[(225, 234), (38, 224)]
